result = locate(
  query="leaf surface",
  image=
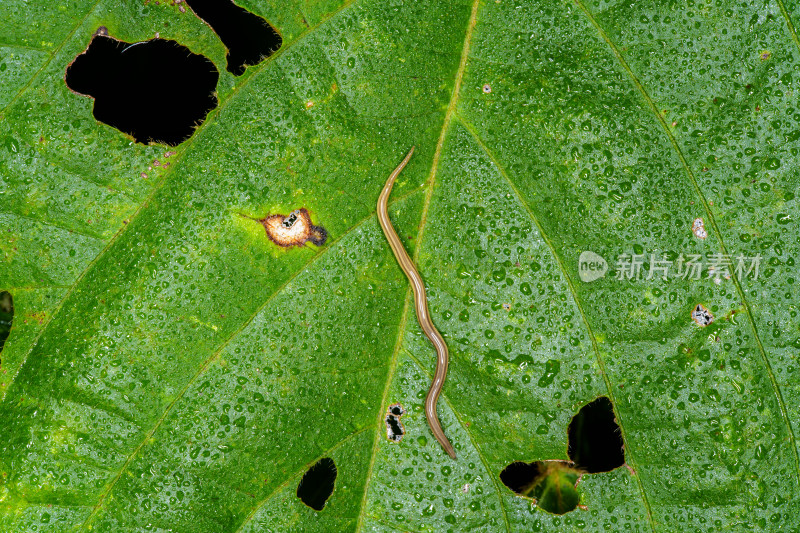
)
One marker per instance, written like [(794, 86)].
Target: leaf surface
[(169, 368)]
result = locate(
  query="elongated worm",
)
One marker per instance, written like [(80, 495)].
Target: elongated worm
[(421, 304)]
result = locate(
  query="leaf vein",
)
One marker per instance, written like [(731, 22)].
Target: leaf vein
[(294, 475), (574, 294), (430, 182), (712, 223), (157, 187), (474, 443), (211, 358), (51, 224), (789, 24), (50, 59)]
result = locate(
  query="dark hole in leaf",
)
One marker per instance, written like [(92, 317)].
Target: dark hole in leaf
[(289, 221), (550, 483), (518, 476), (6, 316), (249, 38), (595, 440), (317, 484), (156, 91), (394, 428)]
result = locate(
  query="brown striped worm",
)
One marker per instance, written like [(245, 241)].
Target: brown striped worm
[(421, 304)]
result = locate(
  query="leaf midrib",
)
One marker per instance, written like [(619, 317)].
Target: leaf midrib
[(449, 115)]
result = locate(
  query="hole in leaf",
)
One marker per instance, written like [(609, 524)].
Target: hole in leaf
[(317, 484), (249, 38), (550, 483), (394, 428), (702, 316), (156, 91), (6, 317), (595, 440)]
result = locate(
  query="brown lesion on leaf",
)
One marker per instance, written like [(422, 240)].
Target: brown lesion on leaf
[(294, 229), (731, 314)]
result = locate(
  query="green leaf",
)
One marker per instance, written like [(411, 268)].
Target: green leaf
[(170, 368), (556, 490)]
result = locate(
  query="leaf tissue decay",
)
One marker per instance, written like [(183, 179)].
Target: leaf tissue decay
[(294, 229)]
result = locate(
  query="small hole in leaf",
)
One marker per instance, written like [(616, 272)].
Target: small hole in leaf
[(6, 317), (317, 484), (394, 428), (249, 38), (550, 483), (156, 91), (702, 316), (595, 440)]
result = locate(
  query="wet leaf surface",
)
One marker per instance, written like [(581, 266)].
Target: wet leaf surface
[(169, 367)]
